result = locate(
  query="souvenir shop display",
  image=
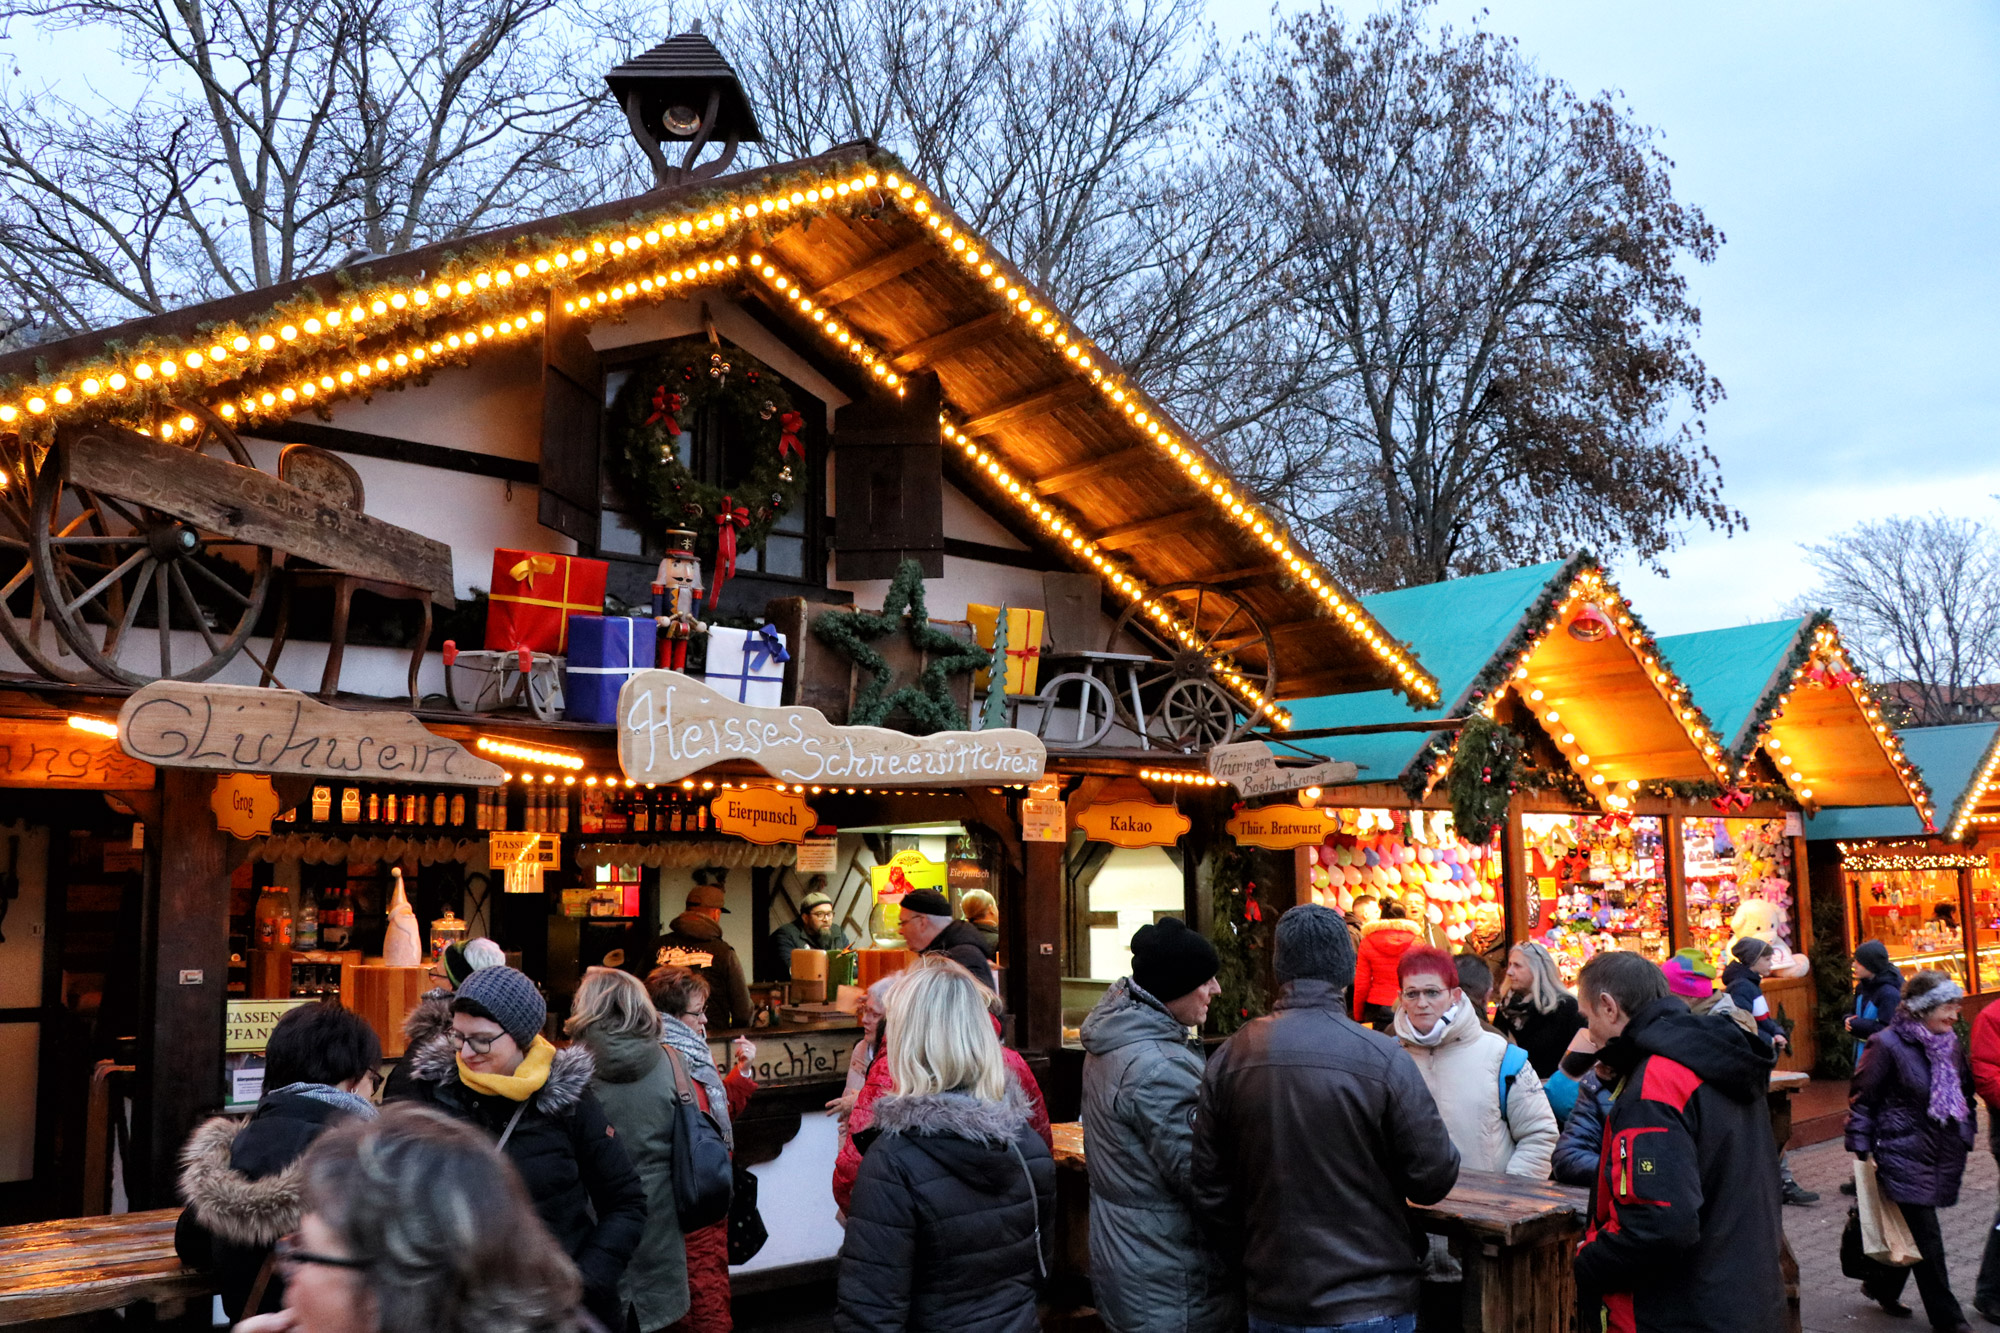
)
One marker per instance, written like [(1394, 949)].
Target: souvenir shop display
[(1730, 863), (1597, 882), (1915, 913), (1449, 886), (1986, 925)]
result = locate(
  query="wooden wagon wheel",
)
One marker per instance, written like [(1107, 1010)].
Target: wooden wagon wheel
[(1187, 705), (113, 571), (22, 611)]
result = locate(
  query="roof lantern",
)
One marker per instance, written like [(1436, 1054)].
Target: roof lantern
[(683, 91)]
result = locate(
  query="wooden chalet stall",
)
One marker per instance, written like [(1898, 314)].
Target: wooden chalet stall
[(919, 465)]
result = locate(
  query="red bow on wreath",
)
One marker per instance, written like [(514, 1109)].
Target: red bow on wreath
[(1733, 799), (1252, 911), (666, 408), (789, 426), (731, 517)]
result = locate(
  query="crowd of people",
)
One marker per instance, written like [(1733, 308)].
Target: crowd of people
[(1265, 1185)]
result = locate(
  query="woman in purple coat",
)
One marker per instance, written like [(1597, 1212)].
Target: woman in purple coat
[(1911, 1109)]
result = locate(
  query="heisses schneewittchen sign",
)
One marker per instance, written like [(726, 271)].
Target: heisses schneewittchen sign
[(671, 726)]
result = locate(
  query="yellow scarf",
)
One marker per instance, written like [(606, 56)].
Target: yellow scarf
[(526, 1080)]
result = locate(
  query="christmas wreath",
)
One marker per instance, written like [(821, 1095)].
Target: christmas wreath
[(693, 380), (1483, 770)]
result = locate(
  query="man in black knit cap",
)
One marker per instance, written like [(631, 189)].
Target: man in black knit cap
[(1150, 1266), (1311, 1133), (926, 924)]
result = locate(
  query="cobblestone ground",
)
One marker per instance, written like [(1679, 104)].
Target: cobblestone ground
[(1832, 1303)]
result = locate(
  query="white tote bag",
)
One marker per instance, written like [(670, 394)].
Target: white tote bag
[(1885, 1236)]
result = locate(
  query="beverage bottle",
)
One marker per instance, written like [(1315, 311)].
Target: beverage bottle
[(562, 811), (267, 919), (284, 921), (440, 810), (306, 929), (642, 813), (458, 809)]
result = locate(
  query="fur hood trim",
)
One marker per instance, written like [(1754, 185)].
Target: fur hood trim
[(569, 1077), (228, 1203), (429, 1019), (958, 1114)]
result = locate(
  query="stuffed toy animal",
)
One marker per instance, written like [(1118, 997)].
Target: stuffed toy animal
[(1766, 921)]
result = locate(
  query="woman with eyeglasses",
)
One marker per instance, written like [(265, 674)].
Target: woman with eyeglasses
[(240, 1178), (494, 1068), (412, 1223)]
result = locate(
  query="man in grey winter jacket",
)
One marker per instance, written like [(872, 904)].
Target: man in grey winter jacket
[(1150, 1267)]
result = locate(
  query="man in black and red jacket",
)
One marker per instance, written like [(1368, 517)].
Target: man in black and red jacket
[(1685, 1231)]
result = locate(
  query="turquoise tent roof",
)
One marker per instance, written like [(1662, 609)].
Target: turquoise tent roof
[(1456, 629), (1728, 671), (1948, 757)]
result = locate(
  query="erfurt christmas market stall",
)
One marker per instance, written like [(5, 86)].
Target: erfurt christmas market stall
[(624, 588)]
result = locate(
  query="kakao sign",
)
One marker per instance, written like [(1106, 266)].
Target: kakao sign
[(670, 726)]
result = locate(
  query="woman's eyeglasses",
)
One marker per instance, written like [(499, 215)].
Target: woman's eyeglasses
[(695, 1018), (463, 1041), (290, 1257)]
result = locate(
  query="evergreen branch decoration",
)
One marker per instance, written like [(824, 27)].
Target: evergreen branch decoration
[(1242, 938), (1483, 770), (929, 701)]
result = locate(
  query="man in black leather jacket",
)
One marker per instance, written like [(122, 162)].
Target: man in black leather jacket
[(1311, 1134)]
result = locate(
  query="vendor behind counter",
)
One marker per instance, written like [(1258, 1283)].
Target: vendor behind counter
[(813, 930), (694, 940)]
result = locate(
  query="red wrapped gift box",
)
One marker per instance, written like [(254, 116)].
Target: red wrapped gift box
[(534, 595)]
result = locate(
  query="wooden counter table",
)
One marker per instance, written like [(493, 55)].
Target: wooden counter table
[(1516, 1238), (53, 1270)]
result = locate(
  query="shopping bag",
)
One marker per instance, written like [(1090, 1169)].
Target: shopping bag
[(1885, 1236), (1853, 1262)]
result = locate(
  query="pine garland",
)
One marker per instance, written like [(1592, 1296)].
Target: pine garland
[(929, 701), (1241, 934), (1484, 767)]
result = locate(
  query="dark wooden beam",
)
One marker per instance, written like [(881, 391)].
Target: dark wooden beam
[(1248, 637), (1334, 681), (1132, 534), (1248, 574), (1078, 474), (876, 272), (1027, 409), (927, 351)]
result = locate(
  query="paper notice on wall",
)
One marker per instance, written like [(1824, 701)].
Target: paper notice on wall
[(818, 856), (1043, 821)]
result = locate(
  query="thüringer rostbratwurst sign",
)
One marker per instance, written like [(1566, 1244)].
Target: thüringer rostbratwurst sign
[(670, 726)]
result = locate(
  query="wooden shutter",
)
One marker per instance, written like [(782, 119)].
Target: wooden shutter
[(888, 483), (572, 426)]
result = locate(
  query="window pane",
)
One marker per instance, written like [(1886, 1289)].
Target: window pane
[(616, 536), (794, 519), (785, 555)]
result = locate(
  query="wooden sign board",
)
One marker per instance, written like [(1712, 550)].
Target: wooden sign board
[(1251, 768), (670, 726), (36, 753), (1133, 824), (759, 814), (248, 1026), (244, 804), (240, 728), (800, 1057), (1282, 826)]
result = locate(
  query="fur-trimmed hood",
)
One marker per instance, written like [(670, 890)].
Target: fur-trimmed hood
[(569, 1077), (984, 1145), (957, 1114), (231, 1205), (428, 1020)]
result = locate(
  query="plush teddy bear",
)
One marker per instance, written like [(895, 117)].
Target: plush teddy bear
[(1766, 920)]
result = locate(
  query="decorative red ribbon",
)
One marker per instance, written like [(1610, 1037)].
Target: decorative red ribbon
[(732, 517), (666, 408), (1252, 911), (789, 426)]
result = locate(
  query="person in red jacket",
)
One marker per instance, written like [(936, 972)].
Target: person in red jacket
[(1383, 944), (1986, 1078), (1684, 1217), (847, 1163)]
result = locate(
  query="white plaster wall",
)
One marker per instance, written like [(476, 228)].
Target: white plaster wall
[(795, 1198), (1135, 883)]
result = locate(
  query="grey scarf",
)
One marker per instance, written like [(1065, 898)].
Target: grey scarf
[(701, 1068), (353, 1103)]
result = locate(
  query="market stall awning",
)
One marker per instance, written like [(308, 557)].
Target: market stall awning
[(1561, 639), (1791, 708), (1961, 769), (844, 249)]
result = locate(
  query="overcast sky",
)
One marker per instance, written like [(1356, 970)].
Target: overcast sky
[(1848, 153)]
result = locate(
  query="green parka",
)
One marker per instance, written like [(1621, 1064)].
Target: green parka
[(635, 1085), (1150, 1267)]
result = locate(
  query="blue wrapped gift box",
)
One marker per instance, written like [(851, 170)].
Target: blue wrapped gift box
[(604, 651)]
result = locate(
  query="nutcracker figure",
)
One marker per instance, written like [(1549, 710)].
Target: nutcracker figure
[(676, 594)]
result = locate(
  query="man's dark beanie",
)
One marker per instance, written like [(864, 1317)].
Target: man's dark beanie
[(926, 902), (1748, 950), (1169, 960), (1873, 955), (1313, 943)]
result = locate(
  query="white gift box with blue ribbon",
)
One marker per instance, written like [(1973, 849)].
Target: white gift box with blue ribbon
[(748, 665), (605, 652)]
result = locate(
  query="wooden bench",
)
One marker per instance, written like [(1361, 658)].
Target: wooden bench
[(50, 1270)]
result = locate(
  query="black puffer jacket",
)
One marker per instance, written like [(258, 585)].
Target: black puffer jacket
[(1311, 1134), (963, 944), (1876, 998), (1684, 1231), (240, 1181), (950, 1224), (1544, 1036), (576, 1171)]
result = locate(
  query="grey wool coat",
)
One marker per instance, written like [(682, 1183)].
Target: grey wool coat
[(635, 1085), (1150, 1267)]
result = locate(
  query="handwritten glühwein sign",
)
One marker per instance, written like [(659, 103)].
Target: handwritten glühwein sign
[(759, 814), (1251, 768), (670, 726), (35, 753), (1282, 826), (242, 728), (1133, 824)]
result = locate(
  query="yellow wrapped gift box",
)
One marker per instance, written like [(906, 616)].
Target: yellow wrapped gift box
[(1023, 647)]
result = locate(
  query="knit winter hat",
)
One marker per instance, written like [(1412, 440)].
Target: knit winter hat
[(1690, 974), (1927, 990), (1169, 960), (1748, 950), (1313, 943), (1873, 955), (926, 902), (508, 998)]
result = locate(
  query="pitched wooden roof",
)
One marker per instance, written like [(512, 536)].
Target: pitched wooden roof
[(846, 248), (1960, 765)]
